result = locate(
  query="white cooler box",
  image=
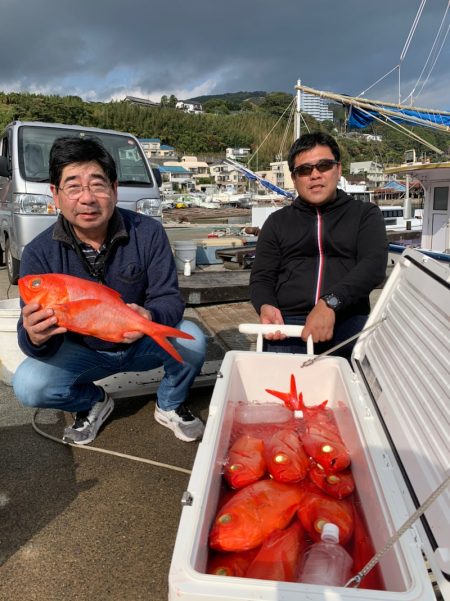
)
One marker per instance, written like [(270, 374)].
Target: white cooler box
[(393, 415)]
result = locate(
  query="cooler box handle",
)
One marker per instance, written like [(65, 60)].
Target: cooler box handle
[(268, 328)]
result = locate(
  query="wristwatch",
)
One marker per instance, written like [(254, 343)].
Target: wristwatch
[(332, 301)]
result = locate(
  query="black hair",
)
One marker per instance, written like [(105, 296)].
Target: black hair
[(310, 141), (69, 149)]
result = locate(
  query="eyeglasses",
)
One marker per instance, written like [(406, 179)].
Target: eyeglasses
[(98, 189), (307, 168)]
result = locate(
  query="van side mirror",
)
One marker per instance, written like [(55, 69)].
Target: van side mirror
[(4, 167), (157, 174)]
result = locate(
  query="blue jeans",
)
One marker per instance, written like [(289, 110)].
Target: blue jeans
[(342, 330), (66, 380)]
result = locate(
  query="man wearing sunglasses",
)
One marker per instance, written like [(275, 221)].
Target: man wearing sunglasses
[(318, 259)]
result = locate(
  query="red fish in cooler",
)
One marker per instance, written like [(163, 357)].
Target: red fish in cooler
[(320, 435), (253, 513), (317, 508), (93, 309), (245, 463), (286, 458), (230, 564), (338, 485), (280, 555)]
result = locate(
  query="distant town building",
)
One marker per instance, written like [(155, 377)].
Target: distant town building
[(316, 107), (199, 170), (153, 149), (370, 170), (225, 175), (189, 107), (237, 153), (279, 175), (141, 101), (176, 178)]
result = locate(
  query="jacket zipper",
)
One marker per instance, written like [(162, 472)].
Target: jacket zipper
[(321, 257)]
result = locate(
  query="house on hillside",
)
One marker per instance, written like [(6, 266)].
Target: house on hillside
[(176, 178), (225, 176), (372, 171), (199, 170), (189, 107), (153, 149), (141, 101)]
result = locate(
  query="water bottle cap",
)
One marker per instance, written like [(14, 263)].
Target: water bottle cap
[(330, 532)]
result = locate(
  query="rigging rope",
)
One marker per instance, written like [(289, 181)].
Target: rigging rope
[(410, 95)]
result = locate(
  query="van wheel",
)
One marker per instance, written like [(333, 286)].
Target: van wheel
[(12, 265)]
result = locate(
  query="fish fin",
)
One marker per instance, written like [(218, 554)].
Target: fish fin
[(160, 333), (291, 399)]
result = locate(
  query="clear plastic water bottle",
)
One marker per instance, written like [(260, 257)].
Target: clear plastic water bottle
[(327, 562)]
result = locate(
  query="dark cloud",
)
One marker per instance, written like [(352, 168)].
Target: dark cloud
[(110, 48)]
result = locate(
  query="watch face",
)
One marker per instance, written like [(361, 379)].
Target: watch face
[(332, 301)]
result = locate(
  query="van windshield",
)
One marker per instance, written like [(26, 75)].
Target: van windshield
[(35, 143)]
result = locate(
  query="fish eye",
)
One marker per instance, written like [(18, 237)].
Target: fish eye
[(35, 283)]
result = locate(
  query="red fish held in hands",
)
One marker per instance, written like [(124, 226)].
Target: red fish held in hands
[(93, 309), (245, 463)]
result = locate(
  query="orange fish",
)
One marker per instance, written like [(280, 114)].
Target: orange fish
[(253, 513), (230, 564), (321, 440), (317, 508), (338, 485), (280, 555), (286, 458), (245, 463), (93, 309)]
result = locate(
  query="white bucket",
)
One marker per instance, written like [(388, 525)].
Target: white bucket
[(10, 354), (185, 251)]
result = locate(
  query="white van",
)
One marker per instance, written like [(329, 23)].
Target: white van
[(26, 203)]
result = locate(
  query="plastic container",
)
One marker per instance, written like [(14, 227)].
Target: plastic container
[(327, 563), (10, 354), (184, 250)]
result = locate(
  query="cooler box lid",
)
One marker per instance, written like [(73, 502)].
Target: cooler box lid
[(405, 365)]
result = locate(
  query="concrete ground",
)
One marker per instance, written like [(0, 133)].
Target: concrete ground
[(80, 525)]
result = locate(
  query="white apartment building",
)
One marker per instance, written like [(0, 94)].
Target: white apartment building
[(225, 175), (153, 149), (189, 107), (316, 107), (198, 169), (370, 170), (237, 153)]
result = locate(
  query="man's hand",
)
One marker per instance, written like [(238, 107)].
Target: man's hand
[(319, 323), (40, 324), (130, 337), (271, 315)]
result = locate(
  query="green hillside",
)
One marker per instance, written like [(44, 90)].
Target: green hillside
[(257, 120)]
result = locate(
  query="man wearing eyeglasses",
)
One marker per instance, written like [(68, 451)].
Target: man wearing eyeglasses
[(129, 252), (318, 259)]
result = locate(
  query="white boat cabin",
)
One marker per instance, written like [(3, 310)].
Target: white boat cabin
[(435, 180)]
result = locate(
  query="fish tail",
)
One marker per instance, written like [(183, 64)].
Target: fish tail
[(159, 333), (291, 399)]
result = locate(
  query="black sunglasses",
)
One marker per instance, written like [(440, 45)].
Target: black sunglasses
[(321, 166)]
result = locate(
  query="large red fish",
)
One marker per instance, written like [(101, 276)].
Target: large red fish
[(285, 456), (320, 435), (317, 508), (253, 513), (337, 485), (280, 555), (93, 309), (245, 463), (230, 564)]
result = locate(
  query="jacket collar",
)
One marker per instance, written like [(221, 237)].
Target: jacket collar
[(116, 229)]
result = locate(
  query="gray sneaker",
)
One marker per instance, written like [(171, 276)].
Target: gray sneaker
[(184, 425), (87, 423)]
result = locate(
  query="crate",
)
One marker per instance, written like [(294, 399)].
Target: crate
[(392, 411)]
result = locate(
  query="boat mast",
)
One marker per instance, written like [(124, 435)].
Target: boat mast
[(297, 112)]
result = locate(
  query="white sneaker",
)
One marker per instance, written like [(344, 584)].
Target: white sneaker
[(87, 423), (184, 425)]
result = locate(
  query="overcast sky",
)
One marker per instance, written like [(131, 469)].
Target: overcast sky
[(107, 49)]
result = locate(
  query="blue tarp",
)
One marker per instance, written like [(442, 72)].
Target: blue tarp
[(362, 118)]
